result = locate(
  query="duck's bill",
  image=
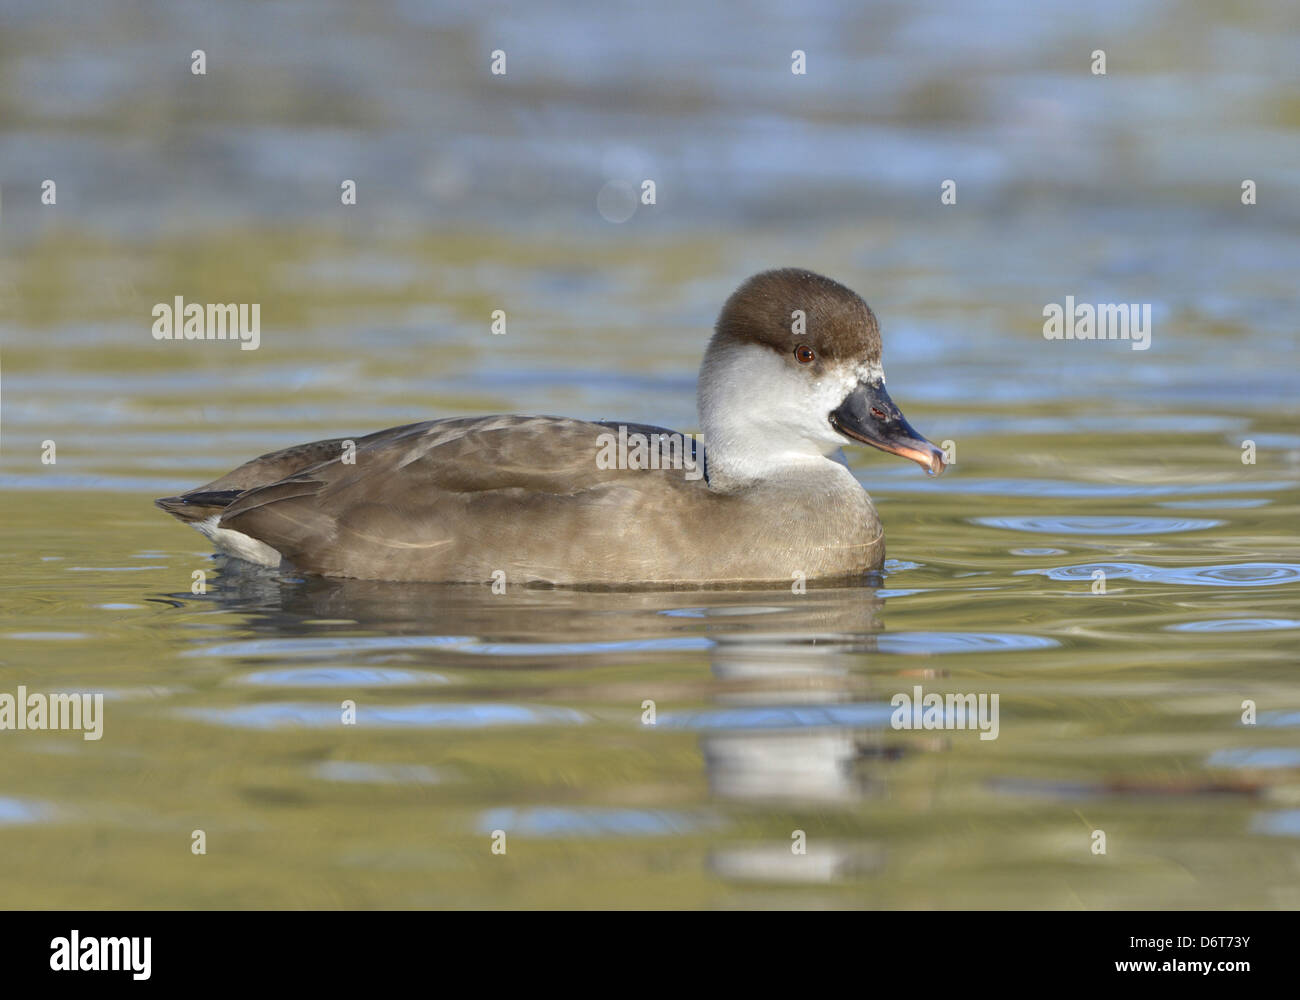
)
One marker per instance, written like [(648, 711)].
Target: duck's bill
[(870, 416)]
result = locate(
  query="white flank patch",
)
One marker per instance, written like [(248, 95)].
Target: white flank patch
[(236, 543)]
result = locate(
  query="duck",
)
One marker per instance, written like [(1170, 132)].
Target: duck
[(763, 495)]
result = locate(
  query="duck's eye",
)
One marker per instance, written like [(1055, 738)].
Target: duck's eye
[(805, 355), (878, 413)]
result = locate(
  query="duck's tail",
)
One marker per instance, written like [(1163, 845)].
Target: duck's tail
[(198, 505)]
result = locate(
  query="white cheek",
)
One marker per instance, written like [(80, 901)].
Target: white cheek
[(828, 393), (751, 392), (825, 395)]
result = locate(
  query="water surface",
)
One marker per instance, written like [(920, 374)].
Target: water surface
[(1099, 556)]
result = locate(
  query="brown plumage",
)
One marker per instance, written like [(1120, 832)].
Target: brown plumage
[(838, 324), (463, 498)]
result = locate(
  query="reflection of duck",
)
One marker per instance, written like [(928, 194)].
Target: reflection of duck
[(791, 727), (783, 714), (786, 729), (279, 606), (790, 715), (791, 374)]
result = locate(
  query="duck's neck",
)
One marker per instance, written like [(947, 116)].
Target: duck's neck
[(730, 468)]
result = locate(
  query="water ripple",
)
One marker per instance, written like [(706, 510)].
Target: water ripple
[(281, 715), (376, 774), (936, 643), (1086, 525), (1235, 625), (338, 645), (1238, 503), (863, 715), (1287, 720), (1252, 757), (316, 645), (737, 610), (564, 822), (16, 812), (46, 636), (1065, 488), (1232, 575), (341, 677), (1280, 824)]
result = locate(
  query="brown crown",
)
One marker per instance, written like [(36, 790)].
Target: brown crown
[(839, 325)]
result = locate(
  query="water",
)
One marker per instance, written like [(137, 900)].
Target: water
[(1120, 711)]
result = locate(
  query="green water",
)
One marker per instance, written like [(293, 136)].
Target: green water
[(1157, 707), (1119, 712)]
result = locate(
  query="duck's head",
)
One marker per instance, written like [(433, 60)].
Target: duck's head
[(793, 373)]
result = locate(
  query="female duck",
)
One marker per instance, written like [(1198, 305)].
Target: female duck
[(462, 498)]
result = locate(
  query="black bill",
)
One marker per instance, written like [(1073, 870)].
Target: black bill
[(870, 416)]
